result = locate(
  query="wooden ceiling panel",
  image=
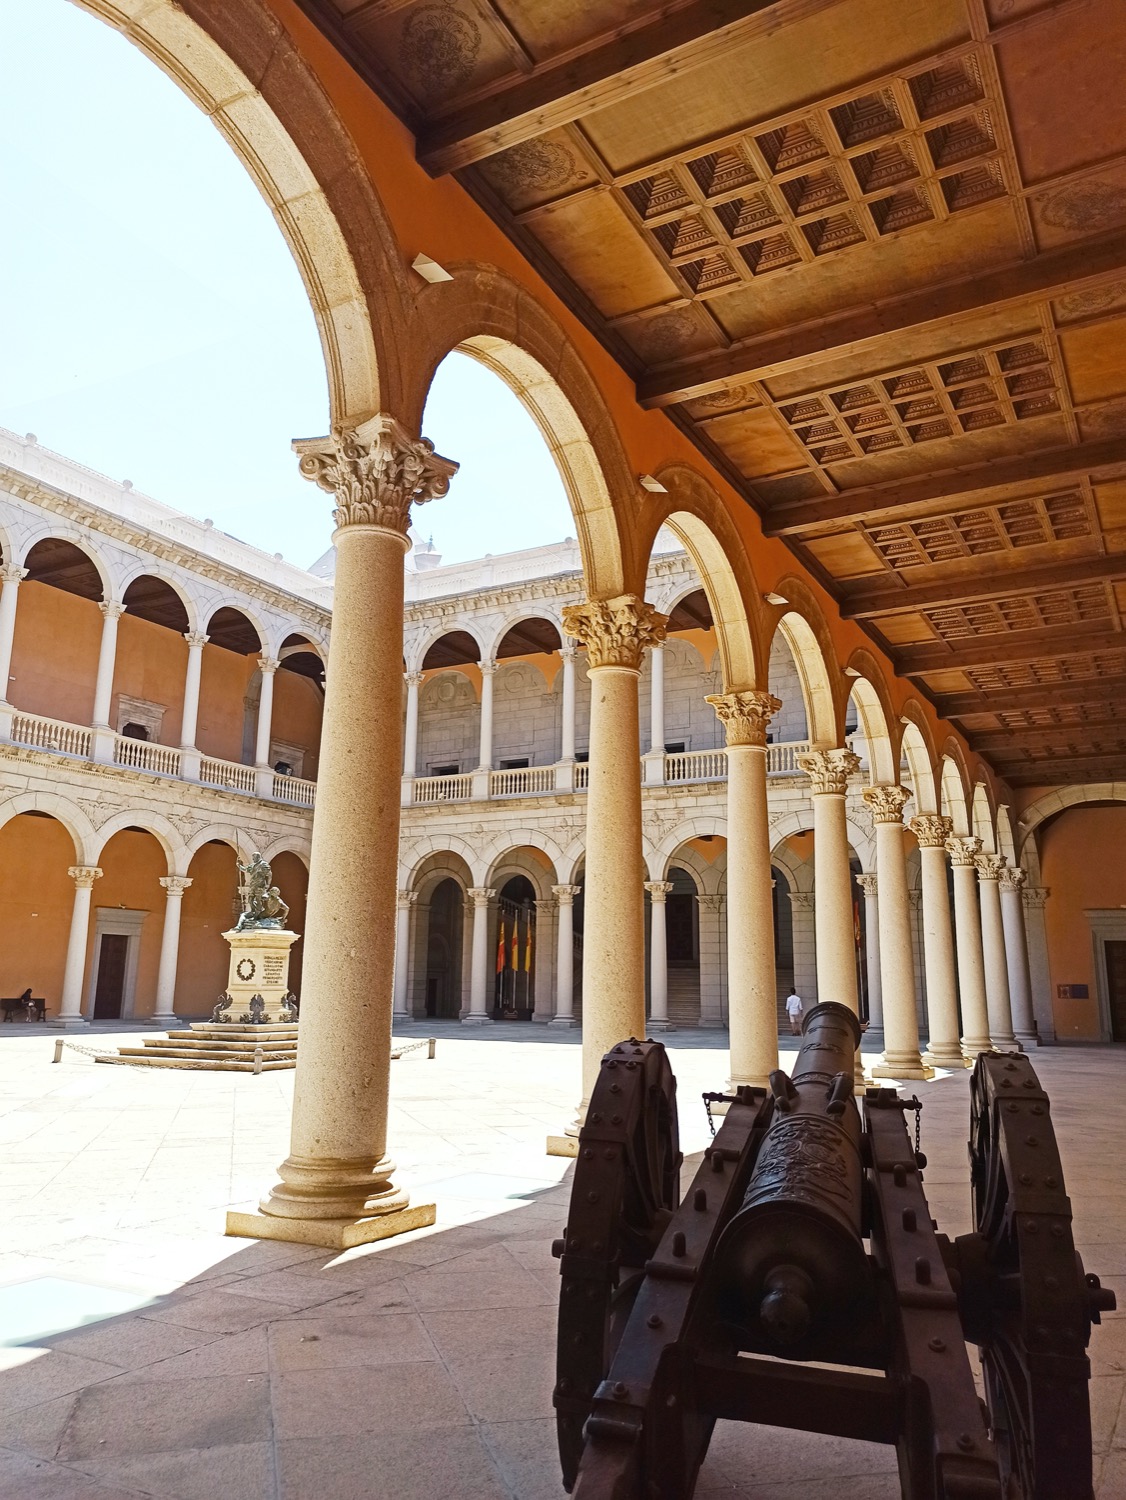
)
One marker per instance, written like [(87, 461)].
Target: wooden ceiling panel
[(536, 172), (595, 244), (846, 555), (1089, 205), (756, 442), (1094, 362), (435, 51), (547, 30), (906, 629), (1110, 504)]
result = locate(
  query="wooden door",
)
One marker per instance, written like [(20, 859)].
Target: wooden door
[(1116, 988), (110, 987)]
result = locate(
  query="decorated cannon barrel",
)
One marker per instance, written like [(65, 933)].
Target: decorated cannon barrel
[(801, 1283)]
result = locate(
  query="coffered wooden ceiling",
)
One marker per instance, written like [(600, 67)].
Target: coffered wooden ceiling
[(871, 256)]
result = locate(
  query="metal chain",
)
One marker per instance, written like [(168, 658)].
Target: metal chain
[(408, 1047)]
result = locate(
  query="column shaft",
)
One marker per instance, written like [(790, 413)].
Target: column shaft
[(112, 611), (658, 956), (70, 1003), (944, 1048), (192, 676), (869, 884), (12, 577), (478, 1014), (657, 700), (971, 967), (1016, 956), (486, 749), (897, 958), (265, 712), (410, 738), (989, 867), (567, 729), (406, 900), (833, 916), (565, 956), (165, 1011)]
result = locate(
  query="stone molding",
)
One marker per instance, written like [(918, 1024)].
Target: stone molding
[(886, 803), (175, 885), (376, 472), (84, 876), (869, 884), (616, 631), (658, 889), (931, 830), (989, 866), (745, 716), (1013, 878), (963, 851), (828, 770)]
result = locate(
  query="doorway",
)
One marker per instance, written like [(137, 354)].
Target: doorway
[(112, 984), (109, 987), (1115, 951), (442, 989)]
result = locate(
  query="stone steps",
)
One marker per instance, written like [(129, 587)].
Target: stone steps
[(244, 1054), (217, 1046), (202, 1062)]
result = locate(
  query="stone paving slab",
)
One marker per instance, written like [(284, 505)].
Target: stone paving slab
[(419, 1367)]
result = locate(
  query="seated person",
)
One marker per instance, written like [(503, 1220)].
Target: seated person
[(21, 1002)]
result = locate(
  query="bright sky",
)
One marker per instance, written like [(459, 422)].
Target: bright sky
[(154, 326)]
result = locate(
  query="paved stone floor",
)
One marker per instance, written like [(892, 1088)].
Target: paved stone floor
[(143, 1354)]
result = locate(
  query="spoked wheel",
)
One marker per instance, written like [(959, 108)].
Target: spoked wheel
[(625, 1189), (1026, 1300)]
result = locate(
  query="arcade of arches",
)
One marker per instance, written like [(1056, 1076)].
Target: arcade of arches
[(885, 328)]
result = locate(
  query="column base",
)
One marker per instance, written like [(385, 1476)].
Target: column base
[(1026, 1039), (332, 1234), (472, 1020), (972, 1045), (565, 1022), (562, 1145), (166, 1022), (653, 1028), (908, 1067), (1006, 1044), (69, 1023), (946, 1058)]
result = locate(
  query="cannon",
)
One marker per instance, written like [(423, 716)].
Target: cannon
[(802, 1283)]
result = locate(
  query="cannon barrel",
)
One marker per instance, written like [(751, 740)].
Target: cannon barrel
[(792, 1258)]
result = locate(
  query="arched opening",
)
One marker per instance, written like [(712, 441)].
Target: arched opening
[(790, 725), (291, 876), (230, 687), (436, 983), (443, 950), (449, 720), (517, 951), (36, 901), (151, 658), (527, 698), (58, 633), (125, 928), (211, 907), (814, 681), (298, 710)]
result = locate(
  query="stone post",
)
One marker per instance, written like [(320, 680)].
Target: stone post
[(337, 1187), (971, 969), (104, 739), (70, 1003), (485, 758), (1033, 899), (410, 737), (403, 903), (264, 779), (828, 771), (12, 576), (568, 652), (1016, 955), (543, 960), (565, 956), (658, 956), (870, 885), (615, 633), (944, 1049), (989, 867), (655, 760), (478, 1013), (752, 984), (165, 1011), (897, 959), (189, 721)]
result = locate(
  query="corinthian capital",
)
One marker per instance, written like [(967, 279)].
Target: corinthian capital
[(84, 876), (886, 803), (745, 716), (989, 866), (963, 851), (376, 471), (615, 632), (1013, 878), (931, 831), (828, 770)]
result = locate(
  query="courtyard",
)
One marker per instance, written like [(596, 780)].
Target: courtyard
[(142, 1353)]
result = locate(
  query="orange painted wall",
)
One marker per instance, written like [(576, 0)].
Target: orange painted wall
[(224, 679), (132, 864), (151, 662), (1082, 864), (298, 707), (36, 899), (55, 654), (292, 879)]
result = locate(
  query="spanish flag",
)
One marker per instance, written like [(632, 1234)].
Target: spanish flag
[(500, 949), (528, 951), (515, 944)]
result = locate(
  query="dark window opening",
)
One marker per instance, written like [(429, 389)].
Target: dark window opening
[(675, 747), (519, 764), (135, 732), (451, 770)]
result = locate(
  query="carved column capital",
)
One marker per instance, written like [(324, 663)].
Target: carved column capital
[(566, 893), (480, 895), (413, 679), (487, 668), (828, 770), (1013, 878), (112, 609), (802, 900), (1035, 895), (615, 632), (406, 899), (196, 639), (869, 884), (569, 650), (963, 851), (745, 716), (376, 472), (175, 885), (931, 830), (268, 665), (886, 803), (12, 573), (989, 866), (658, 889), (84, 876)]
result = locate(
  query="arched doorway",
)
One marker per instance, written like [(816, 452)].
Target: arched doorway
[(443, 951), (517, 948)]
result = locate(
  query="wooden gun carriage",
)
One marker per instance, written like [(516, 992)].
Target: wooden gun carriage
[(802, 1283)]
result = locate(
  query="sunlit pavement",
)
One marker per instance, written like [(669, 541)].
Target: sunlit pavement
[(419, 1368)]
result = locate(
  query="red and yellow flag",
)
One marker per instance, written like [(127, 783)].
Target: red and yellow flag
[(515, 944), (528, 951), (500, 948)]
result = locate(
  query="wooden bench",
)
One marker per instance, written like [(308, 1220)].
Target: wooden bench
[(35, 1008)]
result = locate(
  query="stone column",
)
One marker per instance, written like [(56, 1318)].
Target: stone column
[(752, 983), (189, 721), (543, 961), (944, 1049), (989, 867), (404, 901), (488, 669), (655, 759), (565, 956), (478, 1013), (410, 737), (165, 1012), (112, 610), (70, 1003), (12, 576), (568, 652), (1033, 899), (658, 956), (615, 633), (803, 916), (828, 771), (897, 958), (710, 911), (870, 885), (337, 1186), (1016, 955), (971, 970), (264, 780)]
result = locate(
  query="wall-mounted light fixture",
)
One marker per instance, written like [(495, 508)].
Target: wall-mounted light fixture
[(429, 269), (654, 486)]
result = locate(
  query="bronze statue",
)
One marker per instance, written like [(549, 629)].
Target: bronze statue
[(262, 905)]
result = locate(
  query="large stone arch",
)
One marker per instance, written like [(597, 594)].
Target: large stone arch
[(494, 850), (804, 629), (422, 645), (954, 780), (151, 822), (861, 841), (414, 855), (59, 530), (869, 690), (921, 754), (491, 318), (1062, 798), (289, 843), (693, 510), (659, 854), (241, 68), (144, 568), (983, 818), (215, 833), (72, 818)]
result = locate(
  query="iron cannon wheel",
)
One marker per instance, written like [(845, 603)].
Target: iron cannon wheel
[(625, 1189), (1031, 1301)]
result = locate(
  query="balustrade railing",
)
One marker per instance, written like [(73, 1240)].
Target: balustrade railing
[(295, 789), (782, 760), (430, 789), (696, 765), (228, 774), (143, 755), (582, 775), (51, 734), (522, 781)]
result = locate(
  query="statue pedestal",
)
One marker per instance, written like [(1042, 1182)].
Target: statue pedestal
[(259, 966)]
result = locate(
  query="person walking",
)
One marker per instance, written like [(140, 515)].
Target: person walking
[(794, 1011)]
